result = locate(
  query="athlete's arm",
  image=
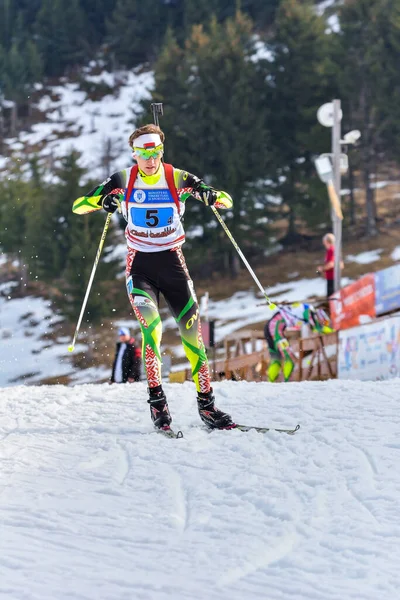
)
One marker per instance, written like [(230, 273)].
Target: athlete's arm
[(187, 185), (93, 200)]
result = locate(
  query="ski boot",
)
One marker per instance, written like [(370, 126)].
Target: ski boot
[(159, 411), (210, 415)]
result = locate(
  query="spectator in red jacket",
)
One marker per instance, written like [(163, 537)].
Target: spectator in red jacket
[(328, 267), (127, 360)]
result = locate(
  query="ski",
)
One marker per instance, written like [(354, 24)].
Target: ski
[(169, 433), (264, 429)]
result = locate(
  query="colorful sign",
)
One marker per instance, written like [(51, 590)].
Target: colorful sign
[(207, 333), (354, 304), (387, 289), (370, 352)]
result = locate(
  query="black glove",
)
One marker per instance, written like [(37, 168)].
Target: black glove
[(206, 193), (111, 203)]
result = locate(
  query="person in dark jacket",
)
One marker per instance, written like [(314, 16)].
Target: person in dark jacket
[(127, 360)]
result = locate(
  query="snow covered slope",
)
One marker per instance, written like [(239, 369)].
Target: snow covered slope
[(95, 505), (72, 121), (26, 321)]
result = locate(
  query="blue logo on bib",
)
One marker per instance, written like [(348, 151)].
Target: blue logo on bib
[(153, 196)]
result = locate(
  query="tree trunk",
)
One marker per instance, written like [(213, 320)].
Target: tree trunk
[(235, 265), (291, 230), (2, 129), (368, 159), (226, 261), (352, 197), (23, 275), (369, 201), (13, 120)]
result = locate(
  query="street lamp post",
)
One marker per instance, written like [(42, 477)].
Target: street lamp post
[(337, 222), (330, 115)]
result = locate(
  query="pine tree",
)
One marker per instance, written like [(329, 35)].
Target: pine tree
[(20, 68), (61, 35), (85, 236), (28, 10), (196, 12), (262, 12), (49, 218), (76, 239), (96, 14), (14, 192), (34, 62), (369, 46), (7, 17), (215, 128), (136, 30), (17, 72), (300, 81)]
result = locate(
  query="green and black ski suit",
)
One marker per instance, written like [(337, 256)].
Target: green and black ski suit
[(153, 207)]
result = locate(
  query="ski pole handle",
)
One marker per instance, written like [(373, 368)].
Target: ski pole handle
[(96, 262), (271, 305)]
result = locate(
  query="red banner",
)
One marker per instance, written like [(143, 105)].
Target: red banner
[(354, 304), (207, 333)]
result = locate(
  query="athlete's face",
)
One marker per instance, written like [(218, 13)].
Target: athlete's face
[(149, 166)]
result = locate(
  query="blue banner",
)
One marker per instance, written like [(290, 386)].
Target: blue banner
[(370, 352), (387, 290)]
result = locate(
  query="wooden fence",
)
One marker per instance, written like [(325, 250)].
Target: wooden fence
[(246, 357)]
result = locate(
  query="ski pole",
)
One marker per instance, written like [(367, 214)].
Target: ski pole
[(96, 262), (271, 305), (157, 109)]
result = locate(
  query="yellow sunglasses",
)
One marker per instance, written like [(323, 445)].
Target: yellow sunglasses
[(147, 153)]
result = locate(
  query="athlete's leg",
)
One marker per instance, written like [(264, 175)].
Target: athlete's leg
[(144, 297), (288, 360), (274, 366), (282, 347), (179, 293), (180, 296)]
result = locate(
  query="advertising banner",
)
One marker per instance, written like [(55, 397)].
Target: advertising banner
[(370, 352), (354, 304), (207, 333), (387, 289)]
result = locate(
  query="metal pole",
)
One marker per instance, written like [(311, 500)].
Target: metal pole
[(337, 223)]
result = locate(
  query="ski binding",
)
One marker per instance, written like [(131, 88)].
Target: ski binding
[(170, 433)]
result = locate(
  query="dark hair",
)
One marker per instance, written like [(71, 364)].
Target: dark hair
[(146, 129)]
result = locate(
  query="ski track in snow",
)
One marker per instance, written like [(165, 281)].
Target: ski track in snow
[(95, 505)]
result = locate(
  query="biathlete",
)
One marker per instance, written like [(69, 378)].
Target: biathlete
[(151, 196), (293, 316)]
